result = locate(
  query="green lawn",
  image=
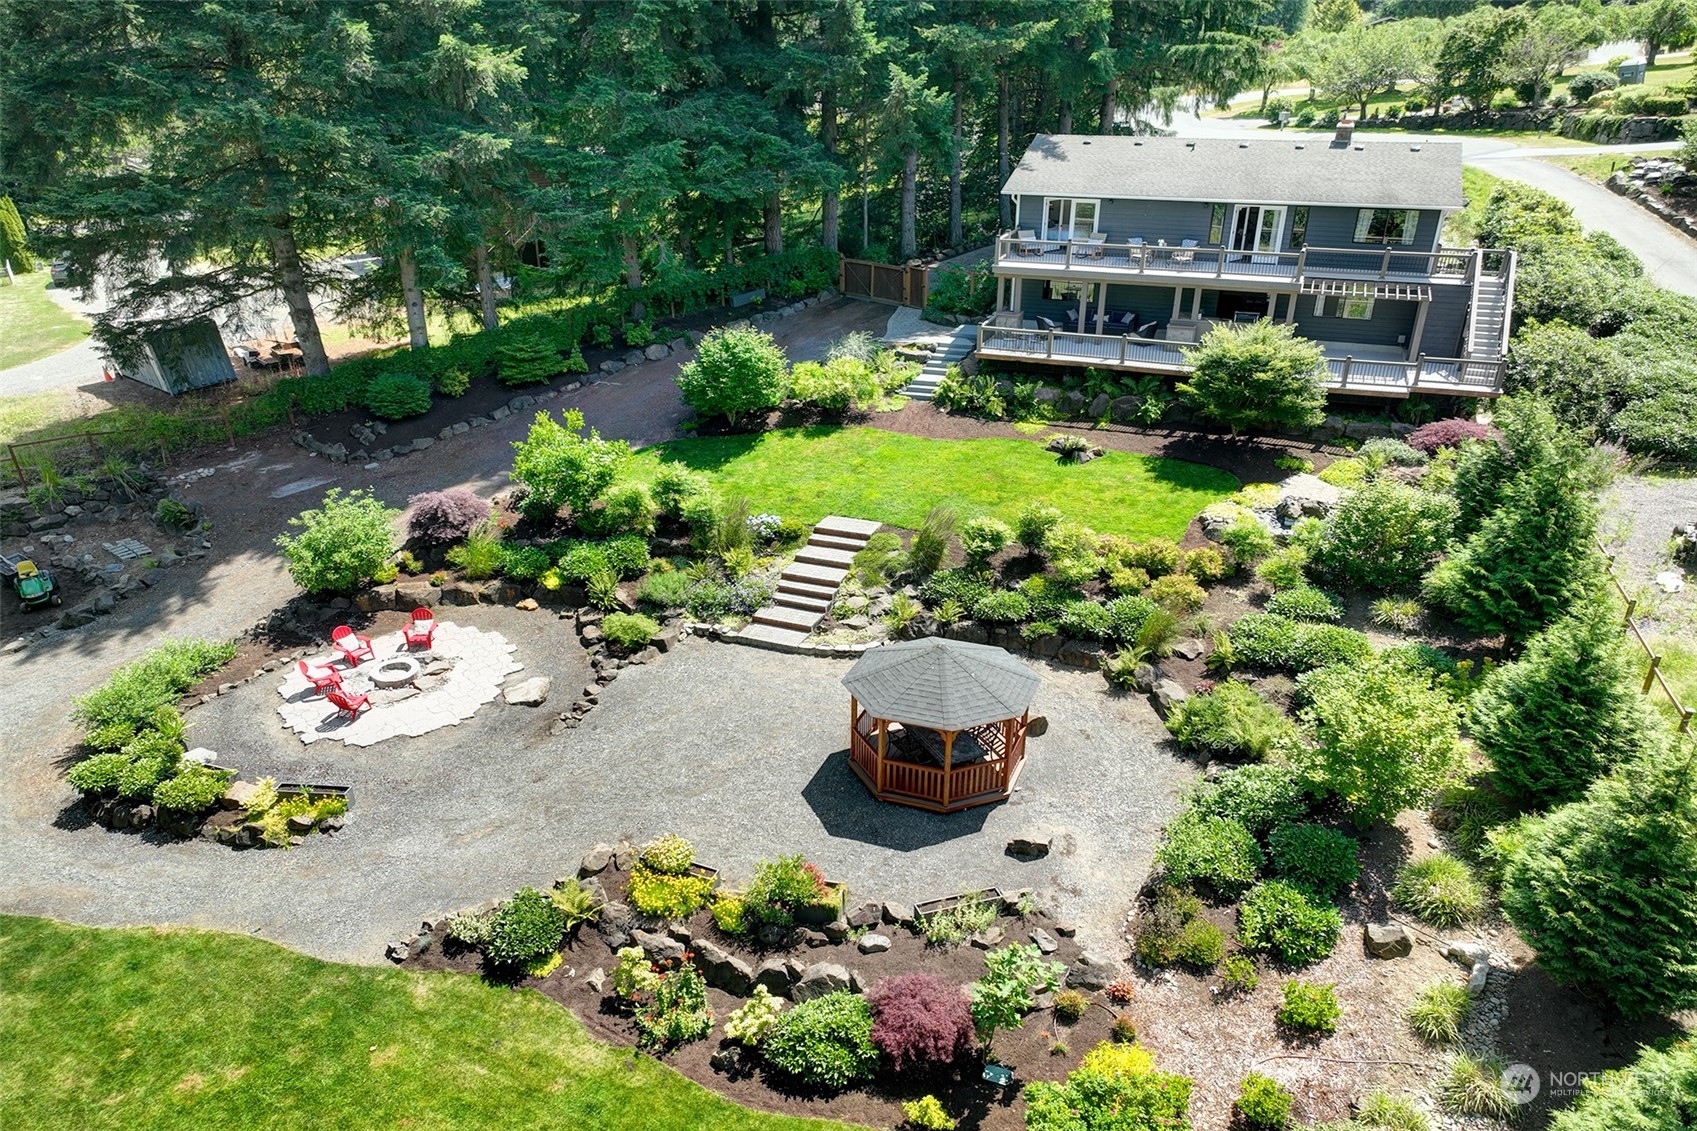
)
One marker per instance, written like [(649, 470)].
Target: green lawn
[(139, 1030), (1679, 668), (808, 473), (1598, 167), (1462, 228), (32, 325)]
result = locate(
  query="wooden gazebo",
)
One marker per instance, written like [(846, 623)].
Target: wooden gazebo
[(938, 724)]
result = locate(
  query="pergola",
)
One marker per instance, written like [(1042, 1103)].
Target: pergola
[(938, 724)]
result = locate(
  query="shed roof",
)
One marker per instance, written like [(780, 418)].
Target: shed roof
[(942, 684), (1373, 170)]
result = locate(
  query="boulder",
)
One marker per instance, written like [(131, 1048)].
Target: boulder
[(874, 944), (614, 925), (1037, 726), (656, 351), (1466, 953), (1047, 395), (1306, 496), (1045, 941), (728, 1058), (238, 795), (1099, 407), (398, 951), (1030, 845), (416, 594), (723, 970), (301, 823), (773, 975), (866, 915), (596, 860), (898, 914), (988, 938), (1387, 940), (659, 948), (596, 980), (1189, 649), (1144, 677), (1167, 696), (460, 593), (532, 692), (820, 979), (1072, 403), (1090, 971), (1478, 978), (1066, 929)]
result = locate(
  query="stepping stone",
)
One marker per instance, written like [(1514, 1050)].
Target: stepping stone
[(851, 527), (837, 541), (829, 576), (770, 634), (780, 616), (825, 556)]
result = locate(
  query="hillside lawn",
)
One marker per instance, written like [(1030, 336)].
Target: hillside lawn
[(157, 1030), (1597, 167), (32, 325), (805, 474)]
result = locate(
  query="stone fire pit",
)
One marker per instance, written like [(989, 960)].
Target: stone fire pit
[(396, 671)]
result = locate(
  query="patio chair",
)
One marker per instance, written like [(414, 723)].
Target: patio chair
[(422, 630), (1026, 247), (1045, 323), (321, 676), (353, 646), (1146, 330), (349, 703), (1186, 252)]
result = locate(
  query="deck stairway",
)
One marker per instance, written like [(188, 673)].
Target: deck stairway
[(924, 386), (809, 584), (1487, 323)]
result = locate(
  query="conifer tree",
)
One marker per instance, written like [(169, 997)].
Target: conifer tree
[(14, 245)]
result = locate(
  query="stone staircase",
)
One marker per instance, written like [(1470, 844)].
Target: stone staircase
[(809, 584), (924, 386)]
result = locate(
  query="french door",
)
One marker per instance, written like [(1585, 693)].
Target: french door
[(1067, 219), (1256, 228)]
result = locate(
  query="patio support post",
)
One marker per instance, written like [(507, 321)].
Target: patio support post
[(1272, 304), (1178, 301), (948, 762), (883, 749), (1196, 305), (1343, 377), (1084, 309), (1018, 294), (1124, 338), (1385, 263), (1290, 308), (1419, 329), (1101, 305), (1050, 334)]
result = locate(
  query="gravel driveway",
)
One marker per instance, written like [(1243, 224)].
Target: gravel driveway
[(738, 749)]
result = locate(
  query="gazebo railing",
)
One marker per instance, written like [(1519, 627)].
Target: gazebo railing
[(914, 780), (864, 753)]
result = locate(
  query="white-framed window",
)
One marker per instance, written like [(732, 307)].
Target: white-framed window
[(1069, 218), (1386, 225), (1360, 309)]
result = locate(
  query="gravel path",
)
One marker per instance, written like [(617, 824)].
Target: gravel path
[(1640, 513), (738, 749)]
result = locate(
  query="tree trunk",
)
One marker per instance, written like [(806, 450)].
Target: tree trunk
[(775, 223), (486, 285), (633, 276), (828, 138), (910, 202), (1110, 105), (1363, 116), (291, 280), (1004, 95), (955, 234), (418, 334), (1651, 50), (1066, 116)]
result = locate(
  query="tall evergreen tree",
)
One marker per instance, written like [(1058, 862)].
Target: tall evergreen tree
[(1605, 889), (1566, 712), (14, 244)]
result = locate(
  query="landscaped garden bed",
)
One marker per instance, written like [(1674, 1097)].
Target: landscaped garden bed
[(707, 981)]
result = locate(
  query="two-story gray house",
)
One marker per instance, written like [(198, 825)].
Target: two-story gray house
[(1126, 248)]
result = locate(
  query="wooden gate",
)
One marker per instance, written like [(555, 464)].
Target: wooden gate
[(883, 282)]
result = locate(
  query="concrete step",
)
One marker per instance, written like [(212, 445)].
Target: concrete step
[(771, 634), (851, 527), (817, 574), (807, 589), (783, 616), (799, 601), (837, 541), (825, 556)]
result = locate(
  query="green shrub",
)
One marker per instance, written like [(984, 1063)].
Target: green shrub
[(1231, 721), (824, 1043), (480, 556), (1263, 1102), (576, 902), (675, 484), (1304, 602), (1002, 607), (1138, 1099), (526, 928), (622, 509), (1265, 640), (1238, 974), (1161, 923), (1259, 375), (1127, 617), (1013, 975), (563, 466), (783, 886), (1259, 797), (1400, 613), (1070, 1005), (750, 1023), (1439, 890), (730, 914), (963, 586), (1033, 525), (1200, 945), (1309, 1008), (1474, 1086), (931, 541), (663, 591), (1156, 556), (1207, 565), (134, 696), (1177, 593), (194, 790), (1386, 737), (678, 1011), (99, 774), (835, 385), (635, 974), (983, 538), (926, 1114), (1218, 854), (1384, 535), (736, 371), (1653, 1093), (342, 544), (1380, 1111), (1287, 923), (1438, 1011), (664, 895), (1084, 620), (1322, 860), (629, 631), (526, 359), (396, 396), (669, 855)]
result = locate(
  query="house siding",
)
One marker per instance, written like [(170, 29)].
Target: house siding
[(1335, 227), (1390, 320), (1446, 321), (1173, 221)]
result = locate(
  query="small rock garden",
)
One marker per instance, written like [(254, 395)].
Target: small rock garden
[(791, 992)]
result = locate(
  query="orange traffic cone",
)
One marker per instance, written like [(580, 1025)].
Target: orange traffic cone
[(107, 373)]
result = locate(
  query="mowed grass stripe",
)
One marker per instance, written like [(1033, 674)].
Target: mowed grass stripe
[(807, 473), (149, 1030)]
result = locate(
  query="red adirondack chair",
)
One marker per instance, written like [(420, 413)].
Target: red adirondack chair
[(349, 703), (422, 629), (353, 646), (321, 676)]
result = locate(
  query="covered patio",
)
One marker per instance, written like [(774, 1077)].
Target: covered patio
[(939, 724)]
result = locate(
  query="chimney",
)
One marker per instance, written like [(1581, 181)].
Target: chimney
[(1346, 132)]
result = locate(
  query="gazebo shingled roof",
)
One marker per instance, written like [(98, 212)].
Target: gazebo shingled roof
[(946, 685)]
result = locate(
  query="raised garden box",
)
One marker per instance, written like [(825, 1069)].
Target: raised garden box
[(828, 910), (316, 791), (949, 903)]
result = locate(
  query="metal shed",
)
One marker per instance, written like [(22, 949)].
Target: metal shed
[(190, 356)]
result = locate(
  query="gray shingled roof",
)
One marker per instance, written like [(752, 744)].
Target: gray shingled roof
[(1377, 169), (942, 684)]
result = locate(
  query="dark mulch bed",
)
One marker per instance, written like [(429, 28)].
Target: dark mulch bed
[(1029, 1051)]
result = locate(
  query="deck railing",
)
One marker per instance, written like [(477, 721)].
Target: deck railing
[(1466, 376), (1086, 256)]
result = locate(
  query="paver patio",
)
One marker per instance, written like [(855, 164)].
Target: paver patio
[(479, 661)]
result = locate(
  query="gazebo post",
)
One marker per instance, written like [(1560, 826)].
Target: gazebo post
[(1007, 752), (948, 762), (883, 748)]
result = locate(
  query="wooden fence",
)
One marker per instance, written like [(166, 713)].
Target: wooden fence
[(883, 282), (1653, 676), (91, 436)]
